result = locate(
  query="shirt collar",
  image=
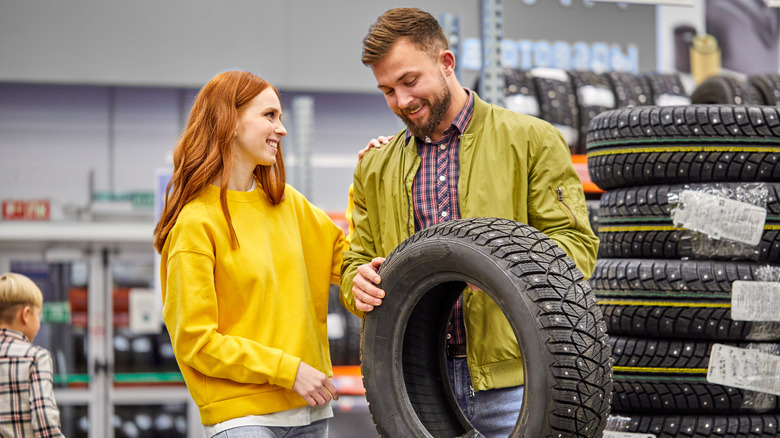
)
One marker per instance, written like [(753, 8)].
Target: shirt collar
[(461, 121), (13, 334)]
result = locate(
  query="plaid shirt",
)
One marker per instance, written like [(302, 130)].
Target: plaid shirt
[(435, 191), (27, 406)]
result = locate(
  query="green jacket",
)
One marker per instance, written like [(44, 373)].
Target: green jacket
[(512, 166)]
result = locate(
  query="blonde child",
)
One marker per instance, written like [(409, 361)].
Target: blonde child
[(27, 405)]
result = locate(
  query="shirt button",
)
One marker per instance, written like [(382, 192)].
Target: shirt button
[(449, 336), (442, 147), (442, 178), (443, 214)]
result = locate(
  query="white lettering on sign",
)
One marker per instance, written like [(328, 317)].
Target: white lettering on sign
[(26, 210), (527, 54)]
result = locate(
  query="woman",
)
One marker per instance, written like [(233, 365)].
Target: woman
[(246, 264)]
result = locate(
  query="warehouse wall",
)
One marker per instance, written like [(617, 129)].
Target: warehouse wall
[(93, 93), (296, 44), (54, 137)]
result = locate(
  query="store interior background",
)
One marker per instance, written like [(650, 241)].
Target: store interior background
[(93, 96)]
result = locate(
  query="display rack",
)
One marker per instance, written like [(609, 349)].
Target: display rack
[(91, 399)]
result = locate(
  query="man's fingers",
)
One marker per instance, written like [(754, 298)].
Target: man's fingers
[(365, 297), (368, 272)]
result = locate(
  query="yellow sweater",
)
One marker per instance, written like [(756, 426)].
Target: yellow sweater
[(241, 320)]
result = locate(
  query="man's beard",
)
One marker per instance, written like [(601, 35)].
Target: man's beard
[(437, 110)]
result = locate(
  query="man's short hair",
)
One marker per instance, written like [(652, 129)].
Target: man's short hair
[(418, 26), (17, 290)]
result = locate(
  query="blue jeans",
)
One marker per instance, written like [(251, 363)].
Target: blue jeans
[(493, 412), (318, 429)]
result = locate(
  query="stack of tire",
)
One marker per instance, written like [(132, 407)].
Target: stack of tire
[(666, 287), (570, 99), (759, 89)]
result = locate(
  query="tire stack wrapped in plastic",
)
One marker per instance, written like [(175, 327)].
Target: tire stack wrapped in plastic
[(688, 274)]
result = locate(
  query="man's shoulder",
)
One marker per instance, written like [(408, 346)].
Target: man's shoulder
[(377, 158), (519, 120)]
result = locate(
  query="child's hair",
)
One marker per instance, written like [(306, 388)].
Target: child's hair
[(17, 290)]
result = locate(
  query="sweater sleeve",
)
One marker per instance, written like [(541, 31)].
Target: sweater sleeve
[(45, 414), (190, 311)]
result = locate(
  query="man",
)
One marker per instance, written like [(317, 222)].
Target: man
[(459, 157)]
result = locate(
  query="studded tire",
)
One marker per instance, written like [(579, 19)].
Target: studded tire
[(559, 328), (677, 298), (636, 222), (726, 90), (684, 144), (700, 426)]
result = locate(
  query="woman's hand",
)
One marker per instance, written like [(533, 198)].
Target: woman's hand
[(314, 386), (374, 143)]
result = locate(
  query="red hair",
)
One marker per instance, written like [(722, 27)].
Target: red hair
[(204, 151)]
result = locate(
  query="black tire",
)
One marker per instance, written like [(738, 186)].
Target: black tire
[(343, 332), (636, 222), (594, 95), (630, 90), (520, 92), (683, 320), (670, 279), (555, 318), (666, 356), (667, 89), (685, 394), (696, 426), (726, 90), (593, 215), (677, 298), (768, 86), (557, 103), (684, 144)]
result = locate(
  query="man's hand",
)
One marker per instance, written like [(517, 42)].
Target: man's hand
[(313, 385), (364, 289), (374, 143)]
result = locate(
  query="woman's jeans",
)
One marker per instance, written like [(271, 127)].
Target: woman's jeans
[(493, 412), (318, 429)]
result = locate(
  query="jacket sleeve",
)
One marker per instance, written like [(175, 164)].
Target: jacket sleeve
[(361, 245), (557, 202), (45, 414)]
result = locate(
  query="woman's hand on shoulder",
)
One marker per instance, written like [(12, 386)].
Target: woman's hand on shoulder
[(374, 143)]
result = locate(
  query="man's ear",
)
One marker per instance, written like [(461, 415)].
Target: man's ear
[(447, 59)]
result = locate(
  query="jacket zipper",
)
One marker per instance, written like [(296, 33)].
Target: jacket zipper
[(560, 198)]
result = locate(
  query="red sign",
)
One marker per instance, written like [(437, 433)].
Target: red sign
[(26, 210)]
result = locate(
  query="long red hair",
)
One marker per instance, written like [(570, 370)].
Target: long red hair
[(204, 152)]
